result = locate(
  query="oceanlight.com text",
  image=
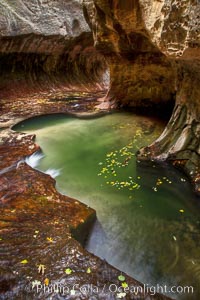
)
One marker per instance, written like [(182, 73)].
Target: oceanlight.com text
[(119, 290)]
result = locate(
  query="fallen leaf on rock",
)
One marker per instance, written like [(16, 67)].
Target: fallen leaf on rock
[(49, 239), (46, 281), (124, 285), (25, 261), (68, 271), (88, 270), (121, 278)]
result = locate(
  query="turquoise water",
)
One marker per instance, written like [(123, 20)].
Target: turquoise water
[(148, 221)]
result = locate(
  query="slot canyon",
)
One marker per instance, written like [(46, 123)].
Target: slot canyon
[(111, 73)]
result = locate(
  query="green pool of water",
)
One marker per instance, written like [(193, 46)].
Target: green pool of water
[(148, 220)]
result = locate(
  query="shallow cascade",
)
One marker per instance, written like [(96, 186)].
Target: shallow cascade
[(148, 223)]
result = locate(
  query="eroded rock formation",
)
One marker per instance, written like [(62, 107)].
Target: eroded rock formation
[(152, 48), (135, 63), (174, 27)]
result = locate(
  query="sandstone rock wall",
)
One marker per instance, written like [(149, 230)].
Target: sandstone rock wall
[(135, 62), (153, 50), (174, 26)]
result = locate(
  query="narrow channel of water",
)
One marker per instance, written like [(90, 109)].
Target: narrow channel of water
[(148, 222)]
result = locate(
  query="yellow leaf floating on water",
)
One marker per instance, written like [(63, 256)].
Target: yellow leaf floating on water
[(109, 154), (159, 182), (25, 261), (104, 170), (181, 210), (113, 162), (183, 180)]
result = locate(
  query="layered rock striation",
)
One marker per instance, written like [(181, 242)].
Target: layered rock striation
[(46, 44)]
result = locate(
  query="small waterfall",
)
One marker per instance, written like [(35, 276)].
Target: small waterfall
[(33, 160), (53, 172)]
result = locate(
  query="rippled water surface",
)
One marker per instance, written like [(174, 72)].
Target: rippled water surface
[(148, 219)]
